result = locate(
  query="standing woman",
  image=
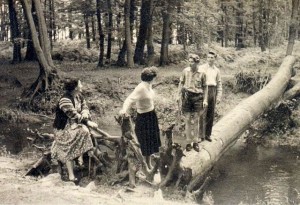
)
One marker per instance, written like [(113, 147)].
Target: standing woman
[(72, 136), (146, 126)]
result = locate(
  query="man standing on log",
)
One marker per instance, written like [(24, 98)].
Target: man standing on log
[(214, 84), (192, 91)]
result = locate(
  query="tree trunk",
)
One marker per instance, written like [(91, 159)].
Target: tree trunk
[(150, 47), (164, 52), (140, 44), (51, 28), (132, 17), (254, 13), (93, 28), (101, 35), (87, 31), (109, 31), (263, 26), (239, 25), (121, 57), (45, 43), (30, 52), (230, 127), (293, 27), (47, 72), (122, 53), (130, 62), (15, 32)]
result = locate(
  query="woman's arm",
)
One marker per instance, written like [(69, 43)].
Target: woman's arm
[(66, 105), (85, 112), (131, 99)]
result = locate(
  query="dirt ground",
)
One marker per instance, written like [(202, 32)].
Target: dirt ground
[(105, 90)]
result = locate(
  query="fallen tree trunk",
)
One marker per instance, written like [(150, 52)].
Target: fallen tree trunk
[(231, 126), (293, 92)]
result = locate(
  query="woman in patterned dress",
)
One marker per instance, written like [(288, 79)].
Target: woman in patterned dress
[(72, 136), (146, 126)]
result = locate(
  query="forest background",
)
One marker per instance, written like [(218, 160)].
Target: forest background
[(106, 43)]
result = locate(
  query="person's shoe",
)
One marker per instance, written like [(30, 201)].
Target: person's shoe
[(208, 139), (75, 180), (188, 147), (196, 147)]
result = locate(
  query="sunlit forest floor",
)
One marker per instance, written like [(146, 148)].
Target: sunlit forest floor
[(105, 89)]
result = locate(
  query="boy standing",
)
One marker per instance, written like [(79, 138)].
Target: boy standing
[(192, 91)]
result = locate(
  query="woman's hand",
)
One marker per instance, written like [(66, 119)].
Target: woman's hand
[(122, 112), (92, 124), (205, 104), (84, 115)]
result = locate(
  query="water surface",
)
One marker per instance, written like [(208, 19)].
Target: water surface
[(251, 174)]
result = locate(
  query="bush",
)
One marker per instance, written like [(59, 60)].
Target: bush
[(251, 82)]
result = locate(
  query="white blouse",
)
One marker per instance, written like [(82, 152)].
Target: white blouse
[(143, 96)]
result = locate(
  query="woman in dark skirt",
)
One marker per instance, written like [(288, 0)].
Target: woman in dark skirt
[(146, 126)]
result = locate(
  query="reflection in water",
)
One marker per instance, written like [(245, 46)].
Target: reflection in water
[(257, 175), (277, 186)]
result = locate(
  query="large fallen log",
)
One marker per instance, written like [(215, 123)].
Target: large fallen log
[(231, 126)]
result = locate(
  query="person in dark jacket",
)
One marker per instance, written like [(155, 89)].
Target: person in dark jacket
[(72, 136)]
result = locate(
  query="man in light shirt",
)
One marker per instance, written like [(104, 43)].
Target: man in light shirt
[(214, 84), (192, 91)]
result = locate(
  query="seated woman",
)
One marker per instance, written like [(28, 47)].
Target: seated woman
[(72, 136)]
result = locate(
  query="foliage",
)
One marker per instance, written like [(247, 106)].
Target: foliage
[(275, 122), (251, 81)]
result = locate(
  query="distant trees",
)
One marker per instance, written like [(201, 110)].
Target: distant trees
[(235, 23)]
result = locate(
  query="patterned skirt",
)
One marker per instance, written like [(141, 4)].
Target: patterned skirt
[(71, 142), (147, 132)]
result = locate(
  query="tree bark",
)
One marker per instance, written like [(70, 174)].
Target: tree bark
[(30, 52), (293, 27), (150, 46), (101, 35), (166, 15), (15, 32), (130, 62), (45, 43), (239, 25), (254, 13), (93, 28), (140, 44), (109, 31), (47, 72), (87, 31), (263, 26), (121, 56)]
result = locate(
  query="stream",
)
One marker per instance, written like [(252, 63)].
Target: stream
[(251, 174)]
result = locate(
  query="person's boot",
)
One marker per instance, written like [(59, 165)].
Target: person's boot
[(196, 146), (208, 138)]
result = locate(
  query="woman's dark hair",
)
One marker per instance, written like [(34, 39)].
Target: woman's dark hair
[(70, 85), (149, 73)]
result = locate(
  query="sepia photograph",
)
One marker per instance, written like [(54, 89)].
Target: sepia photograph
[(159, 102)]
